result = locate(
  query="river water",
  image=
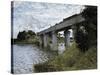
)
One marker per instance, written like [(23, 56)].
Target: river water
[(26, 56)]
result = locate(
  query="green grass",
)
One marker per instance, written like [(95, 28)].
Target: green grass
[(88, 60), (71, 59)]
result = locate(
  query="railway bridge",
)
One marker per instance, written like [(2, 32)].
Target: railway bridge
[(48, 37)]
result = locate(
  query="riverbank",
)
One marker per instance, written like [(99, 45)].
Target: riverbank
[(28, 41), (71, 59)]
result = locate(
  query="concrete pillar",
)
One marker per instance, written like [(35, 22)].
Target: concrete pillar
[(44, 41), (74, 28), (67, 38), (54, 41), (45, 36), (41, 40)]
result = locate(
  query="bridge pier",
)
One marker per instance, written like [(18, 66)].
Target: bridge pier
[(67, 38), (74, 28), (41, 40), (54, 41), (45, 40)]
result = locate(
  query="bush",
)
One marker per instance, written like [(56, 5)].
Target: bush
[(68, 59), (88, 60)]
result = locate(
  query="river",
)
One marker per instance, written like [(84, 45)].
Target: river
[(26, 56)]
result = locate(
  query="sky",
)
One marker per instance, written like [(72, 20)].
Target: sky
[(37, 16)]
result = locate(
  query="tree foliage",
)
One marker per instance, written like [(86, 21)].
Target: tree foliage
[(82, 39), (21, 35), (30, 32), (90, 14), (25, 35), (87, 36)]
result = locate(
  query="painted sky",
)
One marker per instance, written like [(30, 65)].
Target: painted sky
[(37, 16)]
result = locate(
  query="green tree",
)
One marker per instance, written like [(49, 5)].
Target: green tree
[(82, 39), (21, 35), (87, 36), (30, 32), (90, 14)]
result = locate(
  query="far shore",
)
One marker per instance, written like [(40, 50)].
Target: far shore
[(15, 41)]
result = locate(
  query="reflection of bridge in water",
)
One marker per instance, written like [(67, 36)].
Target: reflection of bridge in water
[(48, 37)]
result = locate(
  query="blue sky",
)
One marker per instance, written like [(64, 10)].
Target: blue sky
[(37, 16)]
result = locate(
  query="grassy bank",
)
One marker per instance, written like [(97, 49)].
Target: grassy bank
[(71, 59)]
